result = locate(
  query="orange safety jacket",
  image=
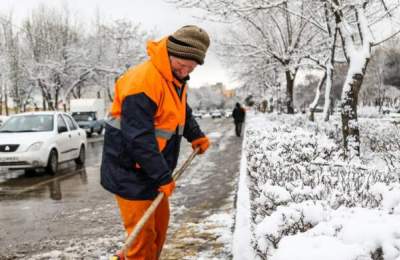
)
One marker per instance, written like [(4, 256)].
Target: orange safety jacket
[(149, 115)]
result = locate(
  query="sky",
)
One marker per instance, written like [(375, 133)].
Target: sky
[(151, 14)]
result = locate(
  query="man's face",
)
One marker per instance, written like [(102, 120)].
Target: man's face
[(181, 68)]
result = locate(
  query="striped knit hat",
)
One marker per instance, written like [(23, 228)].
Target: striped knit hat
[(189, 42)]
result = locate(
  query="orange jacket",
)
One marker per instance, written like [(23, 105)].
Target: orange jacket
[(148, 117)]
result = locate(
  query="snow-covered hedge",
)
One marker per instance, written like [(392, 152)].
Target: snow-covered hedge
[(302, 194), (381, 140)]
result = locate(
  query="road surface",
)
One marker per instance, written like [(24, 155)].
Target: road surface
[(70, 216)]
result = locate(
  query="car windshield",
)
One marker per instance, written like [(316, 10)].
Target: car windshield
[(83, 116), (28, 123)]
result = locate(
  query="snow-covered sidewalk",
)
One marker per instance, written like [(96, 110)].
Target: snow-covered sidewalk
[(203, 207)]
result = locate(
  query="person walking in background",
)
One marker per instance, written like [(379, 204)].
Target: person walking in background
[(238, 115), (149, 116)]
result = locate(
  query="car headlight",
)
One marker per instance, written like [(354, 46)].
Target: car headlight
[(35, 146)]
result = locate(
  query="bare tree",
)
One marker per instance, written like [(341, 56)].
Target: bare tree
[(273, 33), (327, 65), (353, 19), (112, 49), (13, 61), (53, 41), (50, 55), (3, 64)]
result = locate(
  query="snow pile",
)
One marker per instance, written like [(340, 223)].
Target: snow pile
[(352, 234), (288, 220), (220, 226), (306, 202), (93, 248)]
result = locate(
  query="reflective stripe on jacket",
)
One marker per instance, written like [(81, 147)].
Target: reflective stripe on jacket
[(148, 118)]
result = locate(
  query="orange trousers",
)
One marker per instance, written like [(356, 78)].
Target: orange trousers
[(149, 242)]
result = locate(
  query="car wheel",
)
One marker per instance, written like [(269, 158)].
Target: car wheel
[(100, 130), (82, 156), (52, 163), (89, 134), (29, 172)]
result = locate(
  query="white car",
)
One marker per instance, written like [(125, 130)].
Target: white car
[(196, 114), (41, 140), (216, 114), (3, 119), (228, 113)]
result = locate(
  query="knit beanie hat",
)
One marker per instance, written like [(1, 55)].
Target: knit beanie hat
[(189, 42)]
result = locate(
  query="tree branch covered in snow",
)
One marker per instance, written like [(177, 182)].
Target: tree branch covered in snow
[(50, 55), (267, 35)]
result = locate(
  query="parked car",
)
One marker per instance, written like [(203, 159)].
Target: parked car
[(41, 140), (197, 114), (205, 114), (3, 119), (89, 113), (228, 113), (216, 114), (388, 110)]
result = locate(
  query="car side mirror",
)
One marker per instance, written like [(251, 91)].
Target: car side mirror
[(62, 129)]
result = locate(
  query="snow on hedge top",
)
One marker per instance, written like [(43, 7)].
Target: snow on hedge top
[(288, 142), (350, 234)]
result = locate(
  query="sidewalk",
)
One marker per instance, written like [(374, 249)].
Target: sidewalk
[(203, 205)]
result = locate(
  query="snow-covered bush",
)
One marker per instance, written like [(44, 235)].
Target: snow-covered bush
[(351, 234), (294, 165), (285, 221), (382, 141)]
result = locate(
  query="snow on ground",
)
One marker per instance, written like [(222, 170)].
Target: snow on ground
[(350, 233), (241, 244), (96, 248), (203, 228), (219, 225)]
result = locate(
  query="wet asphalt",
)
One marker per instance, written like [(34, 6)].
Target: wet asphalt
[(31, 204), (40, 213)]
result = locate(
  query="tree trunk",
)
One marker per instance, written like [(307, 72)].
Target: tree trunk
[(56, 94), (6, 100), (328, 88), (110, 97), (44, 106), (44, 95), (289, 92), (2, 95), (350, 128), (49, 101), (78, 91), (314, 104)]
